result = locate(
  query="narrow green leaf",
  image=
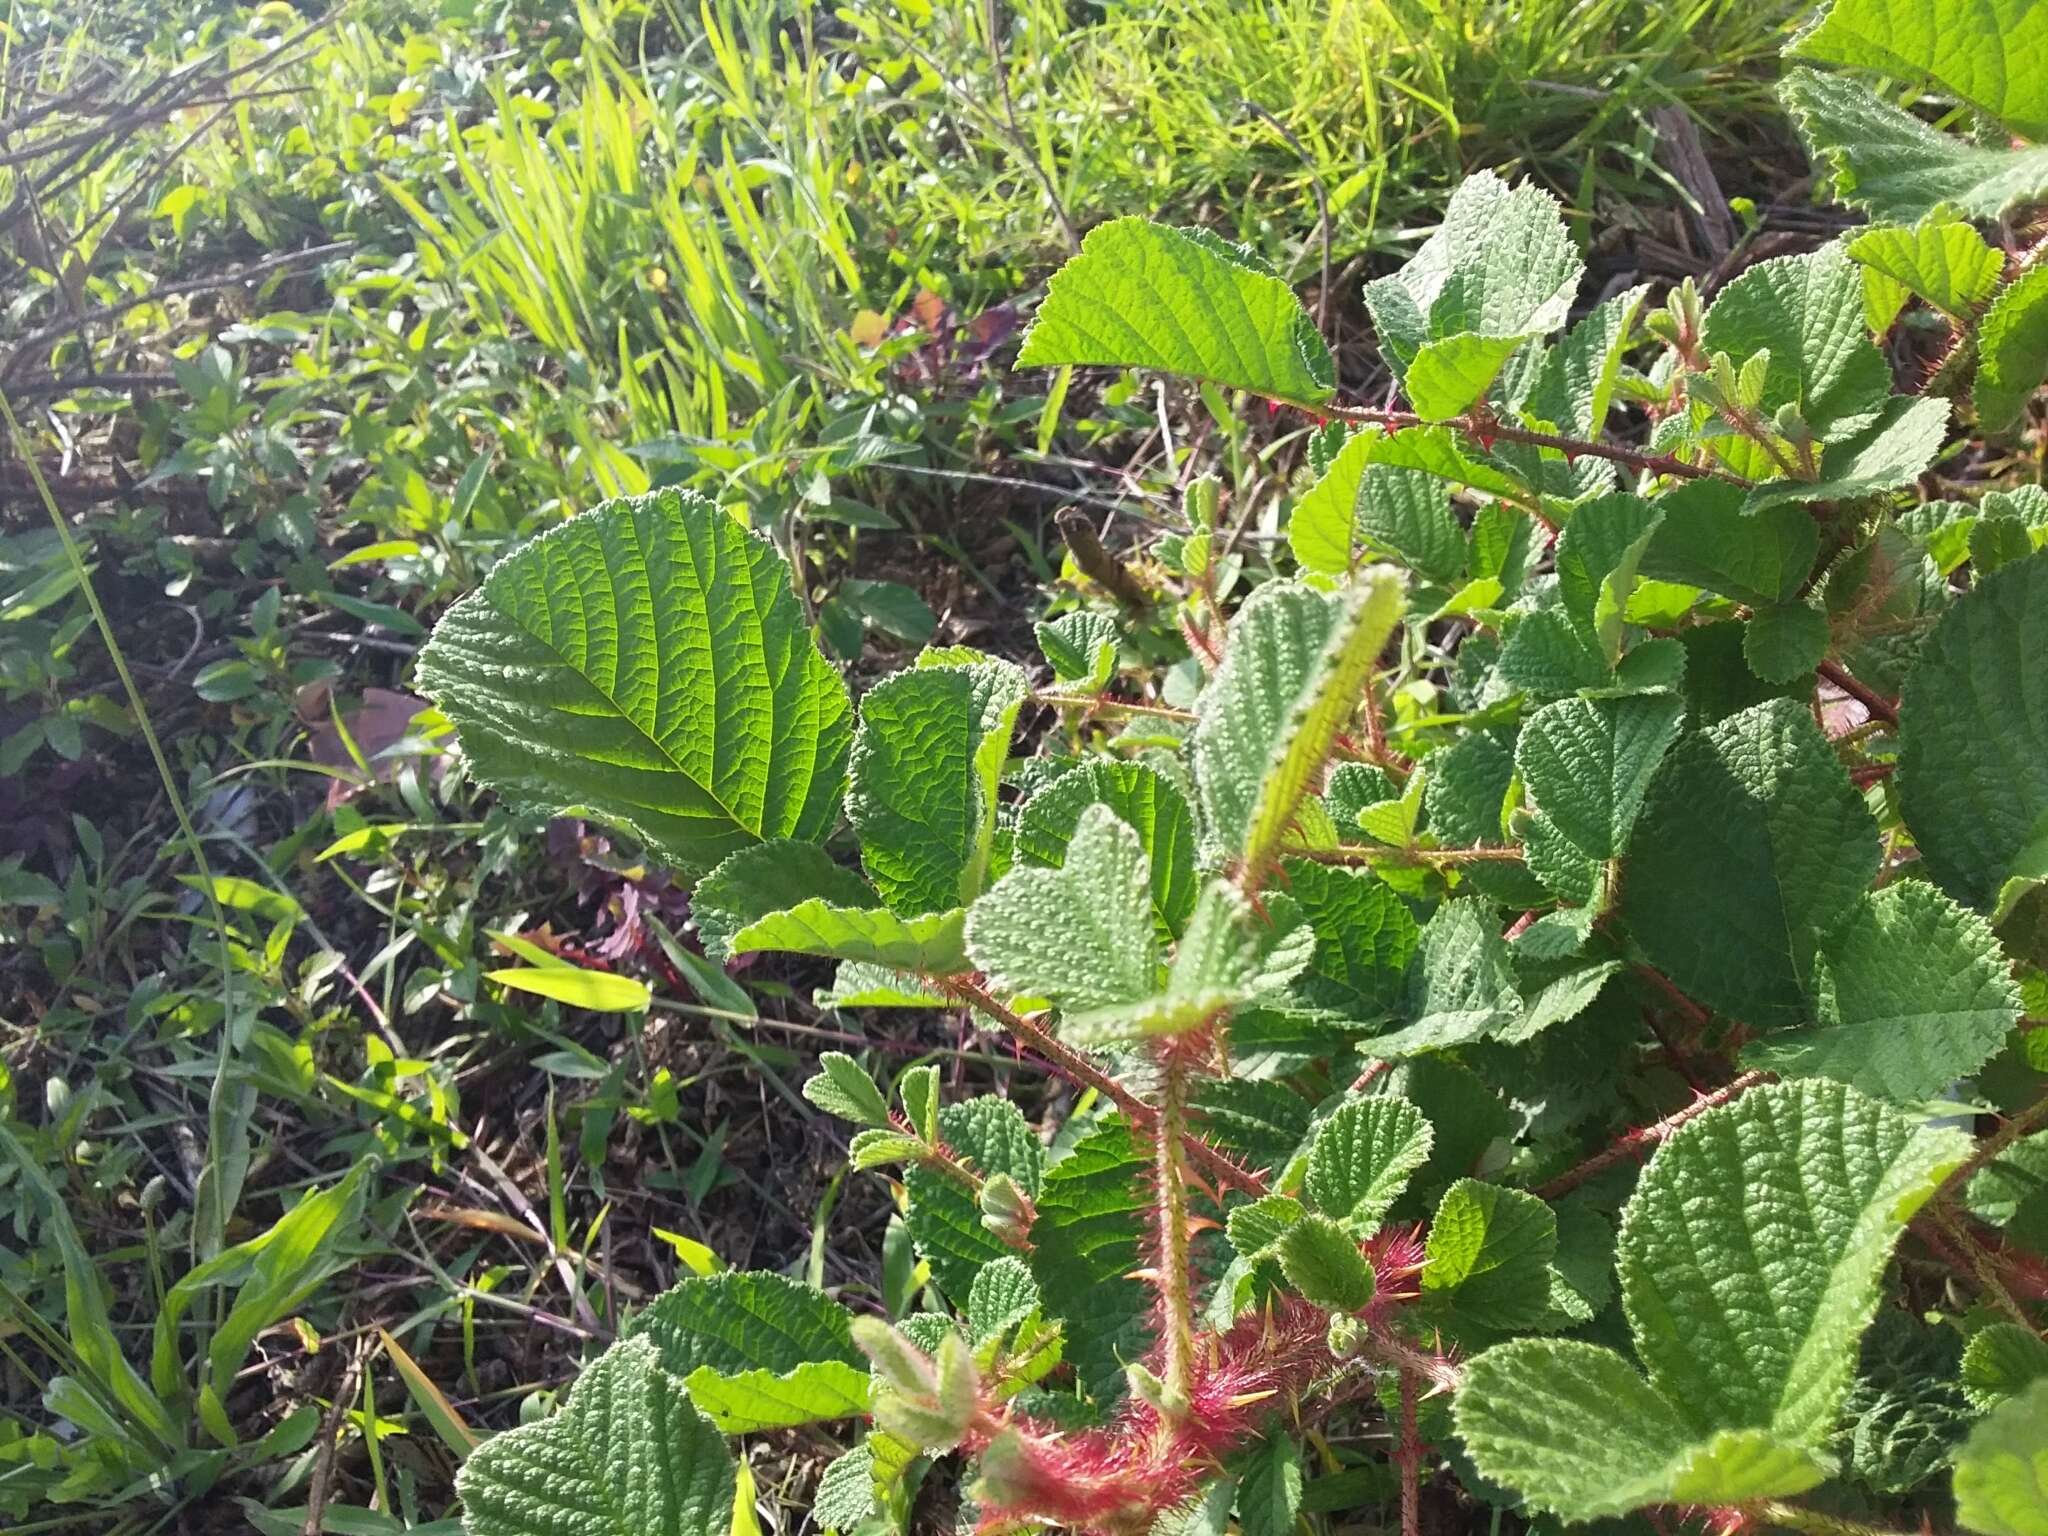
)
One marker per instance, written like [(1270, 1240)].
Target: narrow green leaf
[(1292, 676), (598, 991)]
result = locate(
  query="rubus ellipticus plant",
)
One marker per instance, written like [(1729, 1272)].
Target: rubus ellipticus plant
[(1521, 972)]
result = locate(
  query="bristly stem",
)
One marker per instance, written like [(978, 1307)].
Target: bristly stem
[(1488, 431), (1409, 1456), (1170, 1160), (1078, 1069), (1648, 1138), (1880, 707), (1814, 1522)]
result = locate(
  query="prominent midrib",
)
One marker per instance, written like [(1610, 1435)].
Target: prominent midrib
[(660, 748)]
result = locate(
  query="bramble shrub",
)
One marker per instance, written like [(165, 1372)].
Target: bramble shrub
[(1532, 1002)]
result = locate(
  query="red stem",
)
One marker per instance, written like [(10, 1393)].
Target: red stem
[(1880, 707), (1638, 1141), (1489, 431), (1078, 1069)]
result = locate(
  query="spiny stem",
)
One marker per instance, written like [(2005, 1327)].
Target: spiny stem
[(1360, 853), (1078, 1069), (1170, 1156), (1962, 1251), (1488, 431), (1649, 1136), (1879, 706), (1409, 1455), (1094, 704), (1795, 1517)]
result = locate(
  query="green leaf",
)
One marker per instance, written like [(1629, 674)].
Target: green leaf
[(1598, 558), (2002, 1360), (1003, 1295), (1362, 1158), (1501, 269), (1461, 983), (1576, 1430), (1707, 540), (991, 1136), (1364, 937), (734, 1322), (1588, 763), (768, 877), (1889, 162), (1085, 1243), (1751, 847), (1254, 1228), (597, 991), (1140, 295), (1296, 665), (1269, 1484), (1948, 264), (1081, 647), (2002, 1469), (1973, 734), (927, 760), (1750, 1257), (1889, 454), (1985, 52), (1230, 955), (1406, 515), (1751, 1251), (1912, 994), (746, 1402), (846, 1491), (934, 943), (1489, 1256), (1576, 385), (1322, 1261), (627, 1455), (2012, 351), (1448, 375), (1146, 801), (844, 1089), (1786, 642), (1080, 935), (648, 662), (1807, 312)]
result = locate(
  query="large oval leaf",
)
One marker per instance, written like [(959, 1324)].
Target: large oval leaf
[(647, 662)]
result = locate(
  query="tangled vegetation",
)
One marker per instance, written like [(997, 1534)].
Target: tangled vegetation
[(1482, 975)]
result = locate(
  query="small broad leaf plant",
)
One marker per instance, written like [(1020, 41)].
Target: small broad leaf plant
[(1531, 991)]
